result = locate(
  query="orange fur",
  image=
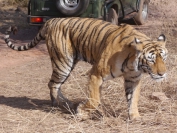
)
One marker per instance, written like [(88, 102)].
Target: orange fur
[(113, 51)]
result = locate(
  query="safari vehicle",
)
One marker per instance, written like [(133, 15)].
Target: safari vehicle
[(109, 10)]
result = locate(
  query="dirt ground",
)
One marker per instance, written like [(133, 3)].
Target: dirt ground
[(25, 105)]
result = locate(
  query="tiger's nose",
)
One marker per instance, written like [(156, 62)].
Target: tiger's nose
[(161, 74)]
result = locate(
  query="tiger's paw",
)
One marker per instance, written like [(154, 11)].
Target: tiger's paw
[(134, 116), (82, 113), (54, 103)]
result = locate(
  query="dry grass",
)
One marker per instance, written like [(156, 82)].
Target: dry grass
[(10, 15), (23, 3), (25, 102)]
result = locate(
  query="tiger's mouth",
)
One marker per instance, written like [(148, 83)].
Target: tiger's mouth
[(157, 77)]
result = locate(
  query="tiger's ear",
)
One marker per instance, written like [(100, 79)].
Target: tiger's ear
[(137, 44), (137, 40), (162, 38)]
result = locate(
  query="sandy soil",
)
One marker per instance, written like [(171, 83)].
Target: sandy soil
[(24, 95)]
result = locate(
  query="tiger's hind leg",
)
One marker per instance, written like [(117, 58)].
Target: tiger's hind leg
[(57, 97), (60, 73)]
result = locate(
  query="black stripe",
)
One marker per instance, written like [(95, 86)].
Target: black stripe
[(63, 45), (130, 69), (79, 37), (148, 45), (37, 39), (59, 74), (139, 63), (76, 28), (124, 38), (118, 34), (150, 48), (7, 40), (64, 61), (68, 25), (98, 35), (83, 24), (134, 77), (124, 64), (131, 43), (92, 42), (56, 24), (56, 82), (30, 45), (130, 81), (128, 90), (93, 46), (11, 45), (75, 52), (43, 38), (25, 47), (84, 55), (65, 32), (58, 67), (152, 51), (74, 24), (19, 48), (86, 39), (103, 42), (63, 41)]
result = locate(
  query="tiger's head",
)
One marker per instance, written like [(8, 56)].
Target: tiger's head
[(152, 56)]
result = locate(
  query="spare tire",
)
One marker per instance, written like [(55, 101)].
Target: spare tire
[(112, 16), (72, 7), (142, 14)]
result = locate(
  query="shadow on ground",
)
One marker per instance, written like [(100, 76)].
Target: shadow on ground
[(34, 104), (26, 103)]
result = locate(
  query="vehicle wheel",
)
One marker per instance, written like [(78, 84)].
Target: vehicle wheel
[(29, 9), (112, 16), (142, 14), (72, 7)]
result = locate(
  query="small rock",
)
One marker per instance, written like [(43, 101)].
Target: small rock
[(174, 32), (159, 96), (11, 9), (18, 9)]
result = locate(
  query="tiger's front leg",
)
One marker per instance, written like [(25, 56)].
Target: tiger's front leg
[(132, 90), (93, 98)]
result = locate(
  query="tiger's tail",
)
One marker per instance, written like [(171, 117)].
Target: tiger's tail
[(28, 46)]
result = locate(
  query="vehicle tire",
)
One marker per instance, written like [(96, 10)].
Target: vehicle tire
[(72, 7), (29, 9), (112, 16), (142, 14)]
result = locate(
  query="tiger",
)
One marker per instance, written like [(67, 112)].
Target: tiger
[(113, 51)]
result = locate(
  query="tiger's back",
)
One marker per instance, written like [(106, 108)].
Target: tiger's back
[(88, 38)]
